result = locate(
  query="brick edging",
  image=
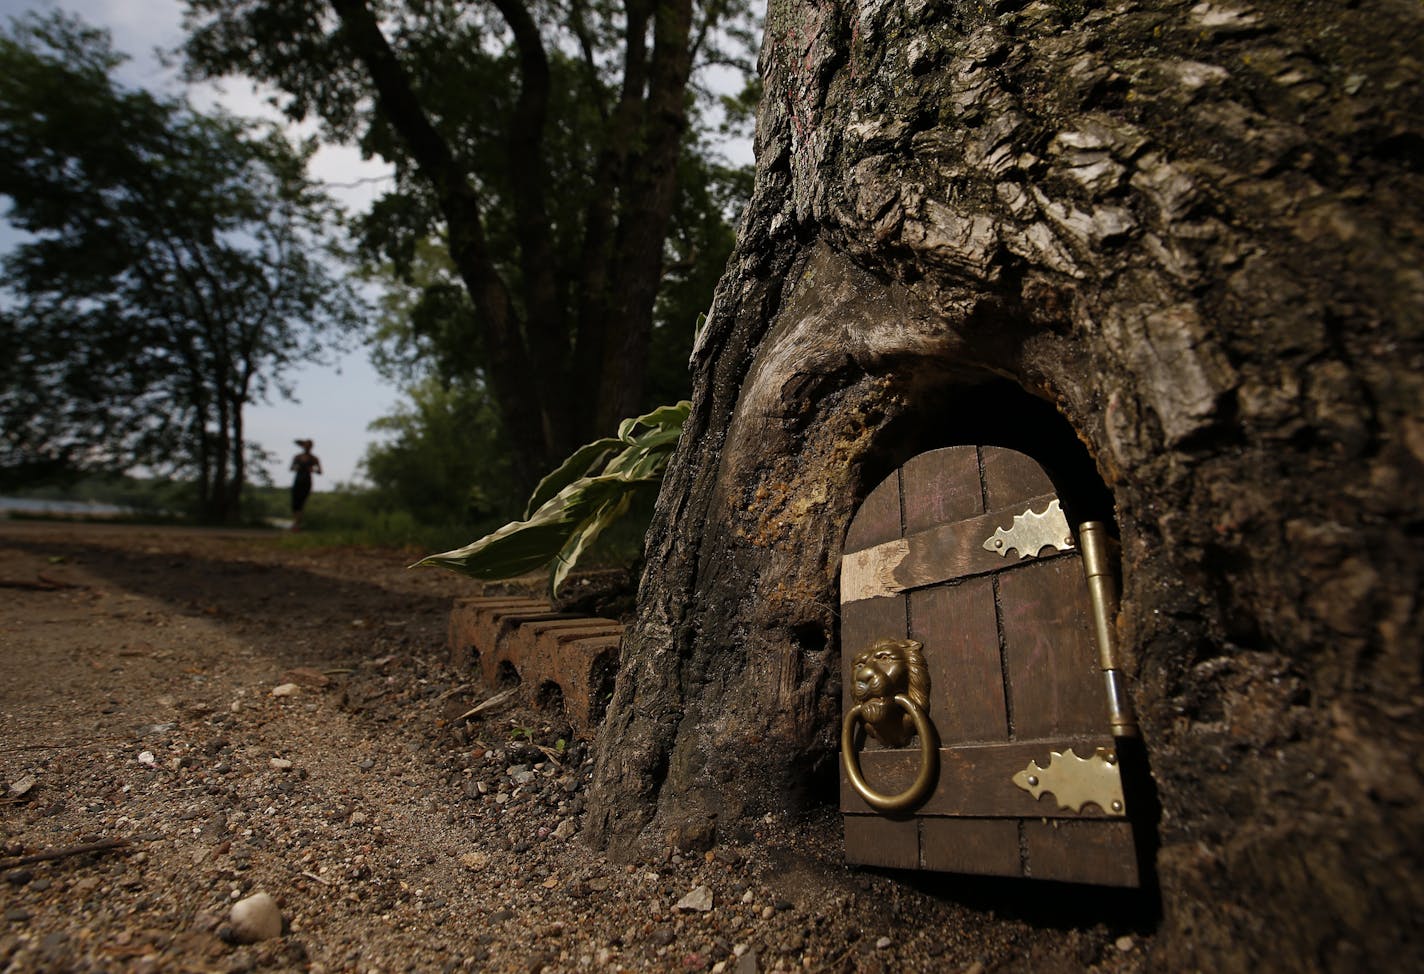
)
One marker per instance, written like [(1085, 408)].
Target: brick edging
[(577, 653)]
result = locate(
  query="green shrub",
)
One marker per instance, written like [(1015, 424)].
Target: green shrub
[(576, 503)]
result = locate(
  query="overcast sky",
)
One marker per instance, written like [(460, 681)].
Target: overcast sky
[(334, 404)]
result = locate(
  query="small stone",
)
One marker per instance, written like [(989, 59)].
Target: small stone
[(566, 830), (767, 912), (146, 757), (474, 860), (281, 764), (699, 899), (357, 818), (1125, 943), (19, 877), (20, 786), (882, 943), (663, 936), (286, 690), (746, 963), (255, 918), (308, 676), (17, 914)]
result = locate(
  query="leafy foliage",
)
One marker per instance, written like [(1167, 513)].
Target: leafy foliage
[(175, 266), (573, 505), (442, 461)]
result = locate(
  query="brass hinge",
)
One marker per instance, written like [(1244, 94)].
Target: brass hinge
[(1075, 782)]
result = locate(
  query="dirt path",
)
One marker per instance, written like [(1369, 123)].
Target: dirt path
[(136, 674)]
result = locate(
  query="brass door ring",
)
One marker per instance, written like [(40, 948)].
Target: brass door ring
[(911, 796)]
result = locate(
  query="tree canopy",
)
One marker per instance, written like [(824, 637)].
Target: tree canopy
[(556, 150), (175, 266)]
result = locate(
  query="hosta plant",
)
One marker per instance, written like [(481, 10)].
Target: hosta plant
[(573, 505)]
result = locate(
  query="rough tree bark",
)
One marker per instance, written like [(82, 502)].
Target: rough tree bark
[(1195, 228)]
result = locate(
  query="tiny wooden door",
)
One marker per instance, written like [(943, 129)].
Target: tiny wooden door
[(1014, 675)]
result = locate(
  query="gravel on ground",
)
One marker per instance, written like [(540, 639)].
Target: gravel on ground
[(227, 719)]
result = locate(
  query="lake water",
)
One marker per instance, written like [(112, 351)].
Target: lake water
[(33, 505)]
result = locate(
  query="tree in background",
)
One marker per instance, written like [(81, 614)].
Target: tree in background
[(556, 149), (441, 462), (175, 267)]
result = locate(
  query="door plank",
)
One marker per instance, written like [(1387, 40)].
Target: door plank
[(873, 840), (1055, 684), (878, 519), (960, 634), (941, 487), (1010, 477), (982, 846), (1099, 852)]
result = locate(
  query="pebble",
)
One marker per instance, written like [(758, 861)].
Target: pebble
[(566, 830), (281, 764), (883, 942), (255, 918), (21, 785), (146, 757), (746, 963), (699, 899), (286, 690), (1125, 943), (17, 914)]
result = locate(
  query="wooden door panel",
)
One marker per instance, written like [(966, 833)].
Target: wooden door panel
[(878, 519), (941, 487), (1081, 851), (979, 846), (1013, 668), (1055, 685), (874, 840), (960, 633), (1009, 477)]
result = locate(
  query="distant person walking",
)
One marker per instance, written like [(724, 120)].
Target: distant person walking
[(304, 464)]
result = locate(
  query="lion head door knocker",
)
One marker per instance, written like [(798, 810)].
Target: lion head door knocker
[(890, 685)]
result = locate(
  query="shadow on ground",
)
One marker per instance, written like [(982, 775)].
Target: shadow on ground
[(319, 616)]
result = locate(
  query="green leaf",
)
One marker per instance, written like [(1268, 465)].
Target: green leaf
[(583, 460), (573, 506), (585, 536)]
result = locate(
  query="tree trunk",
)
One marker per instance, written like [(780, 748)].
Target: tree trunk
[(1195, 228)]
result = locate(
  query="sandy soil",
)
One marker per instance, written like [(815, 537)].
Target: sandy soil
[(137, 669)]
